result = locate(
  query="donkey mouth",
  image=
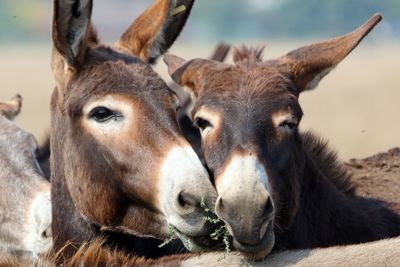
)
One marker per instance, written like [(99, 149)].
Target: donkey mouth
[(200, 243), (260, 250)]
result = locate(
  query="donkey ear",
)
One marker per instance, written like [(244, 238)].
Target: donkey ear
[(153, 32), (71, 29), (308, 65), (220, 52), (174, 62), (12, 108), (186, 73)]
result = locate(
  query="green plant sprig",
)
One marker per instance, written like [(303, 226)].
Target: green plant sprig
[(172, 234), (221, 232)]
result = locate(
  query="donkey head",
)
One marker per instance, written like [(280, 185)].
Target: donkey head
[(248, 114), (115, 138), (25, 228)]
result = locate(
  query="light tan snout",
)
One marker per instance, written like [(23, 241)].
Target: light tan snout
[(245, 205), (185, 184)]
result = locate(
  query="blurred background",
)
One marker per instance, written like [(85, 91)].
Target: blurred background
[(356, 107)]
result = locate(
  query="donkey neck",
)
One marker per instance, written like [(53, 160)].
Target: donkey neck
[(328, 216)]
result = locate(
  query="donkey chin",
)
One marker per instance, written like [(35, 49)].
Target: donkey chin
[(258, 251)]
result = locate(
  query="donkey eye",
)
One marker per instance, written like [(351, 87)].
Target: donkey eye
[(288, 125), (103, 114), (202, 124), (178, 108)]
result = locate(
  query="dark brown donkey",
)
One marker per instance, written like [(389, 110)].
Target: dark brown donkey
[(271, 190), (118, 160)]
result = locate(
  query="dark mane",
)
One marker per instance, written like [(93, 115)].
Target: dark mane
[(95, 254), (326, 159), (250, 55)]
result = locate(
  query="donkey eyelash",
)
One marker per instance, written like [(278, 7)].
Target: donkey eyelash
[(290, 124), (103, 114), (178, 108), (202, 124)]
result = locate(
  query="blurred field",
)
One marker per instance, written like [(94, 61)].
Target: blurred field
[(356, 107)]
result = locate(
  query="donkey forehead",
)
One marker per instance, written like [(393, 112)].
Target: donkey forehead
[(248, 89), (17, 148), (20, 141), (107, 72), (120, 71), (245, 81)]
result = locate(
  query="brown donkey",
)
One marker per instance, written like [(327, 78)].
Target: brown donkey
[(25, 207), (119, 163), (271, 189)]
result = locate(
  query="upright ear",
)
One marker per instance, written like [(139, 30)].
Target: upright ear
[(71, 29), (220, 52), (308, 65), (156, 29), (12, 108), (187, 73)]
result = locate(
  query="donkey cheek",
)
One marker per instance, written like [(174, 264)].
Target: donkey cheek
[(97, 205)]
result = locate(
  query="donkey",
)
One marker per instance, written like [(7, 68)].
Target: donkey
[(119, 165), (25, 207), (379, 253), (270, 189)]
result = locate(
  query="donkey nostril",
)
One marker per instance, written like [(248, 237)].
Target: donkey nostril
[(220, 208), (186, 200), (47, 233), (220, 204), (269, 207), (181, 201)]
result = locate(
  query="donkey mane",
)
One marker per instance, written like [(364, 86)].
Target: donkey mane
[(249, 55), (326, 160), (95, 254)]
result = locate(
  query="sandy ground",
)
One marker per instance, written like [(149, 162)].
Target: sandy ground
[(378, 176), (356, 107)]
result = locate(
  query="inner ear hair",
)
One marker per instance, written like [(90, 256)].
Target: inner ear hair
[(156, 29), (71, 28)]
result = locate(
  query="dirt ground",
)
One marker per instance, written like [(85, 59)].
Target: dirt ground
[(378, 176)]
